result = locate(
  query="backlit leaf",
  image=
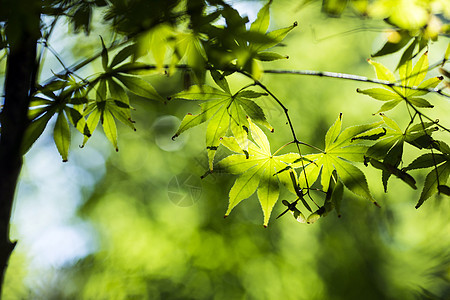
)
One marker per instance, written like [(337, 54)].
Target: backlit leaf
[(392, 170), (204, 92), (382, 72), (244, 186), (122, 55), (76, 118), (333, 132), (61, 135), (91, 123), (420, 102), (379, 94), (261, 24), (277, 36), (392, 158), (388, 106), (109, 127), (270, 56), (139, 86), (427, 84), (411, 77), (104, 56), (224, 110), (426, 161), (257, 172), (217, 128), (391, 47), (268, 189), (220, 80), (340, 148), (418, 73), (353, 178), (254, 111), (389, 149), (34, 131), (431, 182), (407, 54)]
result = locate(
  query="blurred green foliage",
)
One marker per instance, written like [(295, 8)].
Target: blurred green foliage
[(152, 247)]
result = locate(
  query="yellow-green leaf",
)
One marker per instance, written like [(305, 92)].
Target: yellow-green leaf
[(270, 56), (262, 20), (276, 36), (259, 137), (333, 132), (231, 143), (431, 182), (353, 178), (139, 86), (341, 147), (109, 127), (201, 92), (427, 84), (382, 72), (61, 135), (418, 73), (447, 52), (208, 110), (268, 190), (243, 188), (34, 131), (76, 118), (379, 94), (388, 106), (254, 111), (91, 123), (216, 129), (420, 102), (411, 77), (260, 171)]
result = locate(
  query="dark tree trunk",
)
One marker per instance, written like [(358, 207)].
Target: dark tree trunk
[(23, 34)]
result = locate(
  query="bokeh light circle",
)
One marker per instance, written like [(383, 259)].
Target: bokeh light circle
[(164, 128)]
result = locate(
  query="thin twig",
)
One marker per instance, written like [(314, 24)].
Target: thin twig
[(75, 67), (353, 78), (296, 141)]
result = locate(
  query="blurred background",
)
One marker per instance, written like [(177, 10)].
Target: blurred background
[(141, 224)]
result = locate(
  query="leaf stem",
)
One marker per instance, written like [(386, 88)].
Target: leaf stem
[(282, 147), (410, 121), (311, 146), (296, 141)]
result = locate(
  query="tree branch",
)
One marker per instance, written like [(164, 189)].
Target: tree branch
[(20, 73)]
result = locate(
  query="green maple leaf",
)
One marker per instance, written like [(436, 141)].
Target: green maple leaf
[(224, 111), (252, 49), (436, 179), (257, 172), (390, 148), (341, 148), (107, 110), (410, 77)]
